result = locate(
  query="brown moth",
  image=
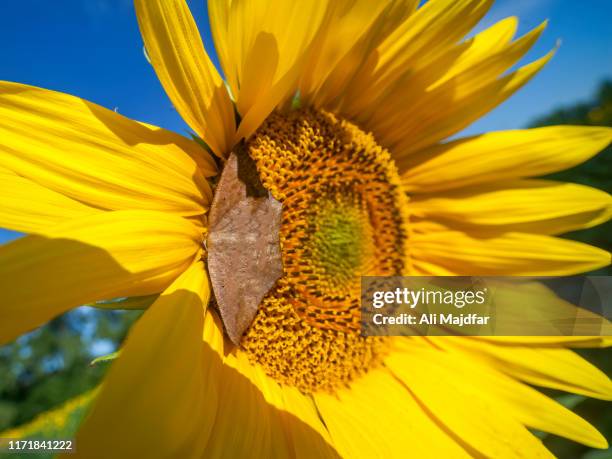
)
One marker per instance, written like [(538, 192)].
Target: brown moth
[(244, 258)]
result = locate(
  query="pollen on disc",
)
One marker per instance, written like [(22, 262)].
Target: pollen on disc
[(344, 216)]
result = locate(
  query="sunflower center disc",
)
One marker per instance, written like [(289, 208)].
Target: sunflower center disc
[(344, 216)]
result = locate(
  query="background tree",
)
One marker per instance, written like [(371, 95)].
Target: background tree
[(52, 364)]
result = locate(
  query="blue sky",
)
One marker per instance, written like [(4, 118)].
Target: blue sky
[(93, 49)]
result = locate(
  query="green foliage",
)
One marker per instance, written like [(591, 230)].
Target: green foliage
[(59, 423), (52, 364)]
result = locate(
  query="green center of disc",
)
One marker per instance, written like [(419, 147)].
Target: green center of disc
[(341, 239)]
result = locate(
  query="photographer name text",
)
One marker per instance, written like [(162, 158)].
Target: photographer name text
[(389, 302)]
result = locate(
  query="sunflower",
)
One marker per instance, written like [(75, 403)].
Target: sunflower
[(344, 110)]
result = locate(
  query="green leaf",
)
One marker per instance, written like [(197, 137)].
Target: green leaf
[(105, 358)]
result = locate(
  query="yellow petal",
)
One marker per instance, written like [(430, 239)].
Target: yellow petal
[(255, 416), (189, 77), (97, 156), (249, 421), (533, 206), (30, 208), (553, 367), (417, 42), (102, 256), (529, 307), (426, 268), (160, 394), (242, 423), (484, 44), (331, 81), (262, 47), (462, 108), (550, 341), (458, 90), (353, 30), (501, 155), (436, 25), (502, 254), (483, 62), (461, 407), (442, 82), (430, 31), (304, 427), (521, 402), (377, 417)]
